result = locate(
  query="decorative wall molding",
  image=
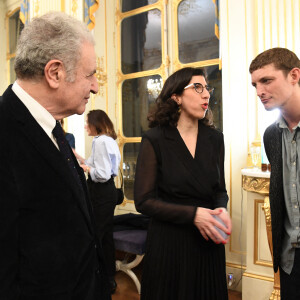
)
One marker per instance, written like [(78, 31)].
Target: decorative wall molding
[(101, 75), (256, 184)]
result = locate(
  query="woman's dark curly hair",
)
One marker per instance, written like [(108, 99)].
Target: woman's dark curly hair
[(166, 110)]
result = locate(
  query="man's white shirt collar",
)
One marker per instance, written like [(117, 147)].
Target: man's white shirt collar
[(40, 114)]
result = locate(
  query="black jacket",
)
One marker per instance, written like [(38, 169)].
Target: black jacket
[(48, 246), (273, 147)]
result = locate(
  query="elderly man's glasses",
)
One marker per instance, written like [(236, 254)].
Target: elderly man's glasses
[(199, 88)]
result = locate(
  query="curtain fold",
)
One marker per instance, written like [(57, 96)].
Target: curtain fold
[(90, 7), (24, 11)]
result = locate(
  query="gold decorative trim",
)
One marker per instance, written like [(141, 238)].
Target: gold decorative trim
[(36, 7), (101, 75), (275, 295), (10, 56), (256, 260), (276, 289), (203, 63), (271, 24), (106, 45), (259, 277), (236, 266), (63, 5), (293, 25), (258, 185), (285, 23), (12, 12), (278, 29), (123, 140), (122, 77), (264, 24), (158, 5), (256, 30), (74, 7), (267, 211)]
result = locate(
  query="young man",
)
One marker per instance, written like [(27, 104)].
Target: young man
[(275, 74), (49, 248)]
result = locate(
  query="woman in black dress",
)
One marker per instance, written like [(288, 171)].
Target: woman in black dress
[(180, 184)]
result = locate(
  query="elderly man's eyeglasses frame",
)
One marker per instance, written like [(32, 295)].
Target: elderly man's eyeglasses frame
[(199, 88)]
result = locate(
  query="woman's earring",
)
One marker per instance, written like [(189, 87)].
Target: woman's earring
[(179, 108)]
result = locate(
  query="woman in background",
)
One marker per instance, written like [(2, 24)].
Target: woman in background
[(69, 136), (102, 166), (180, 184)]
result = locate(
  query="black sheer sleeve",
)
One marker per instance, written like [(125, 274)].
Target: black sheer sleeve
[(145, 190), (221, 195)]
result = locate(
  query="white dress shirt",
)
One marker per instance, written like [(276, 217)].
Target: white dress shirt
[(39, 113), (105, 158)]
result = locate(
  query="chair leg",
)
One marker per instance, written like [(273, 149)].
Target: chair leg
[(126, 268)]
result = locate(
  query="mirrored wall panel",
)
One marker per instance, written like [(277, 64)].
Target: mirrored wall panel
[(138, 97), (141, 42), (130, 154), (215, 101), (15, 28), (196, 31), (128, 5)]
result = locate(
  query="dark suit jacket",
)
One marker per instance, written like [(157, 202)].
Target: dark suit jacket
[(48, 247), (273, 146)]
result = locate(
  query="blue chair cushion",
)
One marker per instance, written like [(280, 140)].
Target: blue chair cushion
[(130, 221), (132, 241)]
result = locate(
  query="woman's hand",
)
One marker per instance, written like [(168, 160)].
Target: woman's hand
[(224, 216), (205, 223), (85, 168)]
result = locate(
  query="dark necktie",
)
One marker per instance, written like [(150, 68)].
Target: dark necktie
[(65, 150)]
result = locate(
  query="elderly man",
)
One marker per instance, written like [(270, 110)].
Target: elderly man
[(275, 74), (49, 249)]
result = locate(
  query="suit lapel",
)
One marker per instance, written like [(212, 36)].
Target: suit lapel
[(39, 139), (194, 166)]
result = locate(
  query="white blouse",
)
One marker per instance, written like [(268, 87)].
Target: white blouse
[(105, 158)]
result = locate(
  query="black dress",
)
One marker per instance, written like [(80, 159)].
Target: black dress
[(169, 186)]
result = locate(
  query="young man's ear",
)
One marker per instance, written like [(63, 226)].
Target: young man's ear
[(295, 75), (54, 73)]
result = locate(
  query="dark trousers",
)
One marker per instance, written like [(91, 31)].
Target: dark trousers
[(104, 199), (290, 284)]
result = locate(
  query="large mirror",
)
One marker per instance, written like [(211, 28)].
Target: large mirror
[(138, 98), (196, 31), (141, 42)]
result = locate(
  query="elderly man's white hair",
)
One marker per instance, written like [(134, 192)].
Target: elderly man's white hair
[(54, 35)]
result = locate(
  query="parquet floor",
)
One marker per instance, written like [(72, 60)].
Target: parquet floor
[(126, 289)]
